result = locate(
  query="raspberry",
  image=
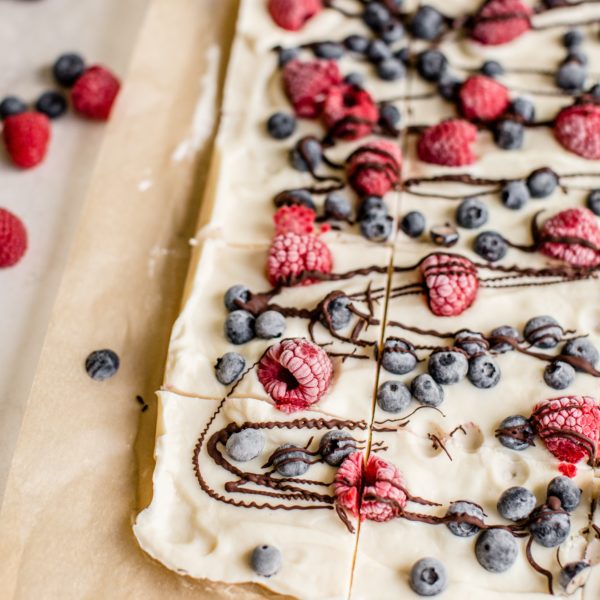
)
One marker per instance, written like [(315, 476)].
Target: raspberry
[(291, 254), (448, 143), (483, 98), (294, 219), (349, 112), (374, 169), (296, 373), (26, 137), (374, 491), (569, 427), (13, 239), (567, 469), (293, 14), (577, 128), (567, 227), (451, 283), (94, 93), (500, 21), (306, 84)]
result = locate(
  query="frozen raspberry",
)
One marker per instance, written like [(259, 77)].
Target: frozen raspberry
[(568, 469), (26, 137), (448, 143), (291, 254), (451, 283), (308, 83), (349, 112), (569, 427), (566, 228), (13, 239), (374, 491), (577, 128), (374, 169), (500, 21), (483, 98), (94, 93), (296, 373), (294, 219), (293, 14)]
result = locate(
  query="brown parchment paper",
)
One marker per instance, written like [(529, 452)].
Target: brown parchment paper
[(83, 464)]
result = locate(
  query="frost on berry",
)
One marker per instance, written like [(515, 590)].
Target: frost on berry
[(374, 169), (294, 219), (482, 98), (577, 128), (293, 14), (349, 112), (448, 143), (501, 21)]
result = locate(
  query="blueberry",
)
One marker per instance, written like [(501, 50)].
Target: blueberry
[(335, 446), (391, 31), (470, 342), (376, 226), (428, 23), (431, 65), (444, 235), (581, 348), (578, 56), (484, 372), (508, 134), (447, 367), (595, 91), (393, 396), (516, 503), (504, 331), (543, 332), (389, 116), (286, 55), (307, 154), (10, 106), (239, 327), (52, 104), (514, 194), (593, 201), (329, 50), (266, 560), (355, 79), (229, 367), (559, 375), (291, 461), (413, 223), (449, 87), (572, 38), (357, 43), (295, 197), (337, 206), (496, 550), (426, 391), (68, 68), (371, 204), (515, 432), (391, 69), (269, 324), (573, 576), (490, 245), (566, 491), (339, 312), (281, 125), (472, 213), (398, 357), (428, 577), (571, 76), (548, 527), (403, 54), (542, 182), (524, 108), (236, 292), (102, 364), (245, 445), (492, 68), (378, 51), (462, 528), (375, 15)]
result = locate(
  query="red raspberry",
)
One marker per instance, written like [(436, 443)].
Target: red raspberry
[(295, 219), (13, 239), (375, 491), (94, 93), (566, 228), (567, 469), (577, 128), (26, 137), (482, 98), (349, 112), (374, 168), (500, 21), (293, 14), (569, 427), (307, 84), (296, 374), (451, 283), (291, 254), (448, 143)]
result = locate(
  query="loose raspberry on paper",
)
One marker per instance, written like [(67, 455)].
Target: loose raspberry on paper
[(448, 143), (297, 218), (293, 14), (349, 112), (577, 128), (501, 21), (26, 137), (95, 92), (374, 169), (13, 239), (483, 98)]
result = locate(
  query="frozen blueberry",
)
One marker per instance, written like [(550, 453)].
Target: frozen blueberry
[(329, 50), (281, 125), (403, 54), (444, 235), (431, 64), (413, 223), (290, 461), (375, 15), (391, 31), (371, 204), (378, 51), (339, 312), (357, 43), (508, 134), (449, 87), (524, 108), (448, 367), (10, 106), (356, 79), (514, 194), (335, 446), (470, 342), (573, 576), (245, 445), (543, 332), (542, 182), (389, 117), (266, 560), (472, 213), (572, 38), (398, 357), (578, 56), (52, 104), (593, 201), (391, 69), (337, 206), (497, 344), (307, 154), (295, 197), (492, 68), (496, 550), (236, 292), (462, 528), (393, 396), (102, 364), (566, 491), (516, 503), (515, 432), (490, 245), (68, 68), (426, 391), (581, 348), (286, 55), (559, 375), (229, 367), (571, 76), (428, 23), (239, 327), (269, 324), (484, 372), (428, 577), (548, 527), (595, 91), (376, 226)]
